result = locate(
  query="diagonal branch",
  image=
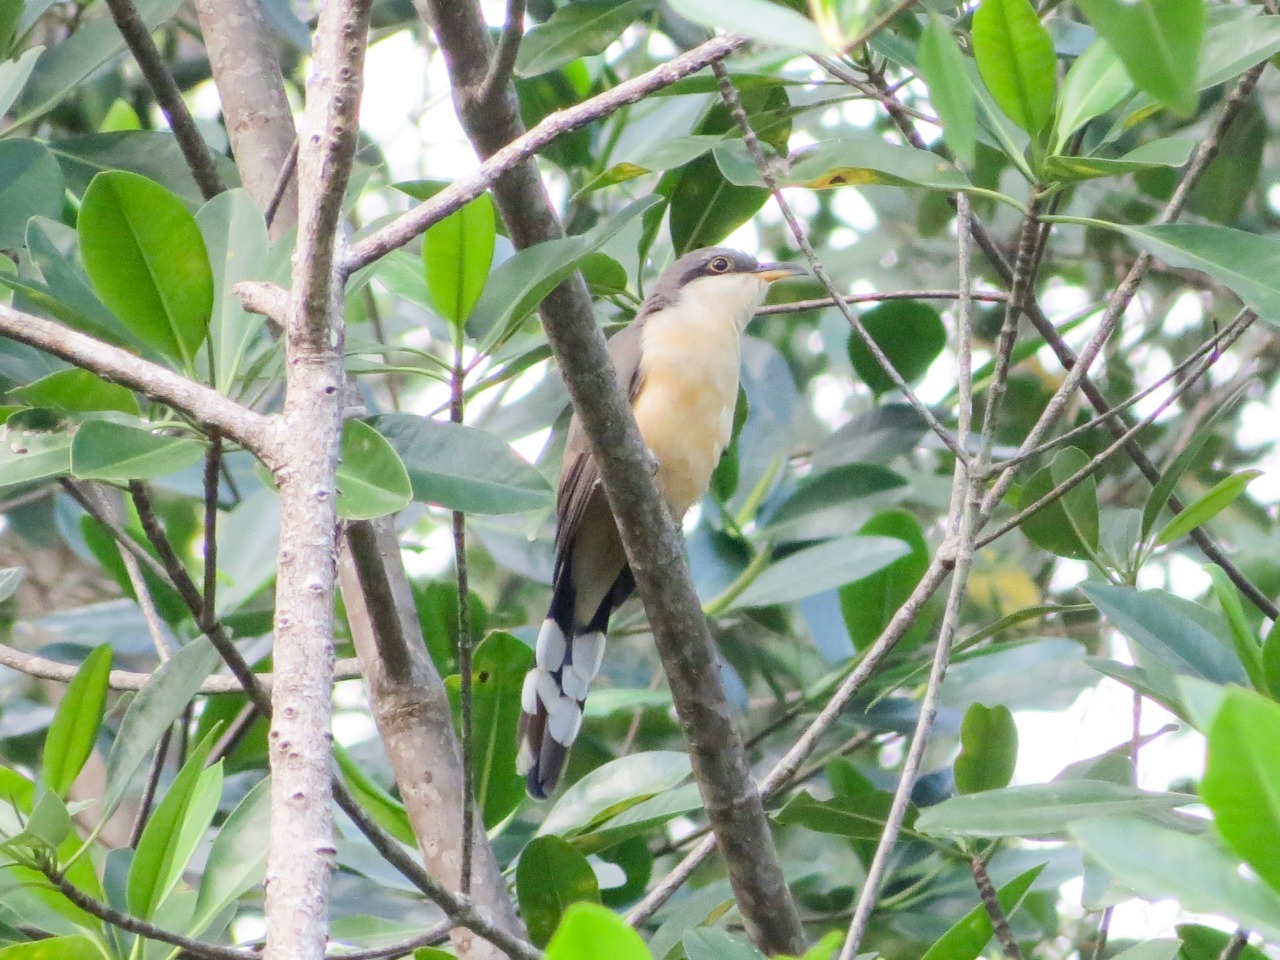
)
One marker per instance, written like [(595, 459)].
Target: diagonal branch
[(245, 427)]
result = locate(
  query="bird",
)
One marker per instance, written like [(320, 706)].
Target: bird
[(679, 362)]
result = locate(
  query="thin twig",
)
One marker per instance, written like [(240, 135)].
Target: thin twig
[(149, 790), (464, 648), (282, 183), (437, 934), (730, 96), (1235, 946), (504, 57), (212, 472), (797, 306), (131, 924), (75, 490), (194, 150), (999, 923)]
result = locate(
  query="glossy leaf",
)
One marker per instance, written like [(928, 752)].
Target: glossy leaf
[(372, 480), (1016, 59), (235, 234), (30, 186), (518, 285), (1243, 636), (853, 481), (154, 154), (1220, 496), (943, 71), (237, 859), (858, 818), (988, 749), (824, 567), (1233, 47), (1172, 630), (550, 877), (1080, 503), (712, 943), (576, 30), (456, 254), (159, 857), (499, 665), (1043, 810), (14, 74), (909, 332), (74, 730), (847, 163), (638, 819), (1159, 42), (384, 809), (1097, 82), (867, 605), (966, 938), (589, 932), (1168, 152), (78, 391), (1160, 863), (114, 452), (1049, 527), (1271, 661), (28, 455), (147, 260), (461, 467), (1241, 783), (610, 789), (771, 23), (155, 707)]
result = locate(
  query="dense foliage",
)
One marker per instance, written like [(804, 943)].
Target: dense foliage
[(1086, 138)]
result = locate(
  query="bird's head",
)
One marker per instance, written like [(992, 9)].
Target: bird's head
[(720, 278)]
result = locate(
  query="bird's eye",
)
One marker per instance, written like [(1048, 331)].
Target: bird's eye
[(718, 264)]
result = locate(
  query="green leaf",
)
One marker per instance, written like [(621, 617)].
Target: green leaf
[(988, 749), (712, 943), (909, 332), (1233, 47), (74, 947), (372, 479), (1159, 42), (1168, 152), (237, 859), (30, 186), (499, 666), (1016, 60), (1160, 863), (943, 71), (10, 580), (1173, 630), (858, 818), (581, 29), (1080, 503), (639, 819), (1271, 661), (159, 858), (14, 74), (75, 726), (590, 932), (28, 455), (116, 453), (966, 938), (78, 391), (1241, 783), (518, 285), (457, 252), (1049, 527), (550, 877), (867, 605), (157, 705), (1243, 636), (665, 154), (770, 23), (614, 787), (384, 809), (235, 234), (154, 154), (1044, 810), (839, 485), (1219, 497), (147, 260), (815, 569), (847, 162), (1097, 82), (461, 467)]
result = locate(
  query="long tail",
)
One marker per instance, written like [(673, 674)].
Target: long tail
[(567, 659)]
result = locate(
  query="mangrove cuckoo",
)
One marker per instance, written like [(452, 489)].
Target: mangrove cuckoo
[(679, 362)]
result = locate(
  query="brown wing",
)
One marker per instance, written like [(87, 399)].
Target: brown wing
[(580, 477)]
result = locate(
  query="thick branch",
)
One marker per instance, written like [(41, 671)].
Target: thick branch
[(653, 544), (259, 122), (207, 406)]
